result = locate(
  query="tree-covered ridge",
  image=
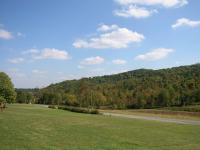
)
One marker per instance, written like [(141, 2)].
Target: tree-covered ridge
[(142, 88)]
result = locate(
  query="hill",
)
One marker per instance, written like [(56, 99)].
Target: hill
[(143, 88)]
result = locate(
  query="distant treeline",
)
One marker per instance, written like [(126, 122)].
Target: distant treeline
[(134, 89)]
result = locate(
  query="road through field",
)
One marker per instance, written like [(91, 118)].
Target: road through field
[(178, 121)]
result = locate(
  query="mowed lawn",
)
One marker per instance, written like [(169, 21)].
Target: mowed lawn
[(34, 127)]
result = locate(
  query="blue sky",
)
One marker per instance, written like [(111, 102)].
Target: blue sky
[(44, 42)]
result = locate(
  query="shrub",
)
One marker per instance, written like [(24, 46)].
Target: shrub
[(190, 108), (94, 111), (52, 106), (79, 109)]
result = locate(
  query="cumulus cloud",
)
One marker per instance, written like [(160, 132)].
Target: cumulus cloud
[(112, 37), (164, 3), (186, 22), (139, 8), (92, 60), (16, 60), (155, 54), (119, 62), (51, 53), (6, 35), (134, 11)]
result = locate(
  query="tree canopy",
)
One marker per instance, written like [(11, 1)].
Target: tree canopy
[(141, 88), (7, 91)]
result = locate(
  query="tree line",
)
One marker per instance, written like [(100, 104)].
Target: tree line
[(143, 88)]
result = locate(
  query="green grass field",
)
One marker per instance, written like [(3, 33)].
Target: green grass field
[(34, 127)]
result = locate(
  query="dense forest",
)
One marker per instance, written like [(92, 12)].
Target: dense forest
[(141, 88)]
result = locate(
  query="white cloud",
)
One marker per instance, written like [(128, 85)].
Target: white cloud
[(16, 60), (39, 73), (92, 60), (164, 3), (116, 71), (31, 51), (116, 38), (19, 34), (68, 77), (52, 53), (119, 62), (155, 54), (186, 22), (134, 11), (104, 27), (4, 34)]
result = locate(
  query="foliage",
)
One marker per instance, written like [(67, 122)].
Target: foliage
[(69, 99), (2, 100), (52, 106), (79, 109), (50, 98), (164, 98), (7, 90), (191, 108), (141, 88), (24, 97)]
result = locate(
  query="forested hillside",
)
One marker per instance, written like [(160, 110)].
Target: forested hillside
[(134, 89)]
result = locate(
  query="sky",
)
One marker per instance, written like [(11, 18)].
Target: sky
[(44, 42)]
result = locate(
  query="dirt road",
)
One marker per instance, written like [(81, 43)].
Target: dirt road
[(178, 121)]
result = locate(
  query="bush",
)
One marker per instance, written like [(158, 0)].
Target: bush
[(2, 99), (94, 111), (79, 109), (52, 106), (190, 108)]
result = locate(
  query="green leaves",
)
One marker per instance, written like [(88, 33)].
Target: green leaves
[(141, 88), (7, 90)]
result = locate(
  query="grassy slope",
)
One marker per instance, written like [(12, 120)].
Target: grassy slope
[(34, 127)]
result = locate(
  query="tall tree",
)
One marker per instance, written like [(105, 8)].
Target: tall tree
[(164, 98), (7, 90)]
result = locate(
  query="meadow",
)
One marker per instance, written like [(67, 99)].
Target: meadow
[(35, 127)]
